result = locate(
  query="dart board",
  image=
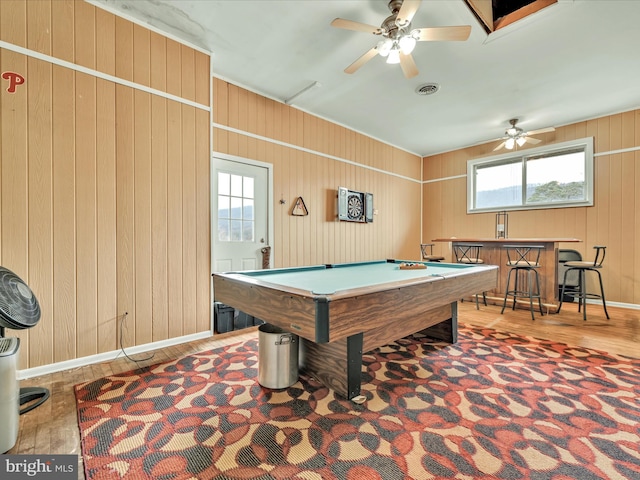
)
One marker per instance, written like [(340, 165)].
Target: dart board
[(355, 207)]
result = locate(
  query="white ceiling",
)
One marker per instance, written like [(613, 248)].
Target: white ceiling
[(576, 60)]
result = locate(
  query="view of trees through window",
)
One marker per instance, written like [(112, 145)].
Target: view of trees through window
[(236, 222), (554, 178)]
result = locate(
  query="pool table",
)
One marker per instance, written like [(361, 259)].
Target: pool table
[(340, 311)]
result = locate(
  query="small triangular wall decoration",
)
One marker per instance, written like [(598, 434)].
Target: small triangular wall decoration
[(299, 208)]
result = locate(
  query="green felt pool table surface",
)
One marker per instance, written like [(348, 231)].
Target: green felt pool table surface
[(330, 279)]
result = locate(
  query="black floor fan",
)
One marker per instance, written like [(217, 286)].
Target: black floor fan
[(19, 309)]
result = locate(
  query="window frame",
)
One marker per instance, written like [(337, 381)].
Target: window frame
[(586, 144)]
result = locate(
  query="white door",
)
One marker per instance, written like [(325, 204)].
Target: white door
[(240, 211)]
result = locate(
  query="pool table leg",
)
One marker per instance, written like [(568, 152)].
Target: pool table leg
[(447, 330), (338, 365)]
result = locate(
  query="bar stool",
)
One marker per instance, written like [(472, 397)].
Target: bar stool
[(581, 294), (427, 253), (571, 282), (523, 260), (469, 253)]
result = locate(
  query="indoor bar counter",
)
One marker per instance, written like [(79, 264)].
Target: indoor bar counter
[(493, 253)]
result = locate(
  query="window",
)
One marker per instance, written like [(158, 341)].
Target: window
[(554, 176), (236, 221)]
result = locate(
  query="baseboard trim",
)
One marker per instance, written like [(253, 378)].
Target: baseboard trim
[(107, 356), (630, 306)]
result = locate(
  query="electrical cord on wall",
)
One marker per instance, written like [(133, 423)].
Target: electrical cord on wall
[(136, 360)]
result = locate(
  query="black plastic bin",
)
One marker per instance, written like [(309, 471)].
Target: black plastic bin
[(223, 316), (242, 320), (226, 319)]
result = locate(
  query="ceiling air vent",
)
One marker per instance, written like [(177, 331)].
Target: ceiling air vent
[(427, 89)]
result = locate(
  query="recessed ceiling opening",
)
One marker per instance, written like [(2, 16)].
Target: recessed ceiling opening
[(502, 8), (497, 14)]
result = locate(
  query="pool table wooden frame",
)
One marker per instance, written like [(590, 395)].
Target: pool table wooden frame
[(335, 329)]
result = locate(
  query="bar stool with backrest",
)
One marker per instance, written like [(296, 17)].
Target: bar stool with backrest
[(523, 262), (469, 253), (571, 282), (427, 253), (581, 294)]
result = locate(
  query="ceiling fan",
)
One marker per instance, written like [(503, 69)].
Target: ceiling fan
[(399, 39), (516, 136)]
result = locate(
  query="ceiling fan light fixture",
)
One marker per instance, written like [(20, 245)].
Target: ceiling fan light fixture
[(515, 136), (394, 55), (398, 39), (509, 143), (384, 47), (407, 44)]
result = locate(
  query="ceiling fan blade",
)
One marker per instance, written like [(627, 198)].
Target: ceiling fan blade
[(406, 12), (435, 34), (355, 26), (532, 140), (361, 61), (408, 65), (541, 130), (499, 146)]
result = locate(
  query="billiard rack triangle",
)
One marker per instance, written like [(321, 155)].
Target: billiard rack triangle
[(299, 208)]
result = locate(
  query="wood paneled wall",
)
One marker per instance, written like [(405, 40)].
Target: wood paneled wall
[(392, 175), (105, 188), (613, 220)]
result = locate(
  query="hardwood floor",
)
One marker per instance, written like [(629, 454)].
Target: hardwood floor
[(620, 334), (52, 427)]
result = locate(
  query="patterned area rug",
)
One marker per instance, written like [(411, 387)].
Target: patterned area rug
[(492, 406)]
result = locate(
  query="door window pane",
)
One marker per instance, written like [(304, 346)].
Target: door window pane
[(236, 230), (247, 231), (223, 207), (247, 209), (224, 180), (248, 187), (236, 185), (223, 230), (236, 208)]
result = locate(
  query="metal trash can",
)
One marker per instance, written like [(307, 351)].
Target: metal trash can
[(277, 357)]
